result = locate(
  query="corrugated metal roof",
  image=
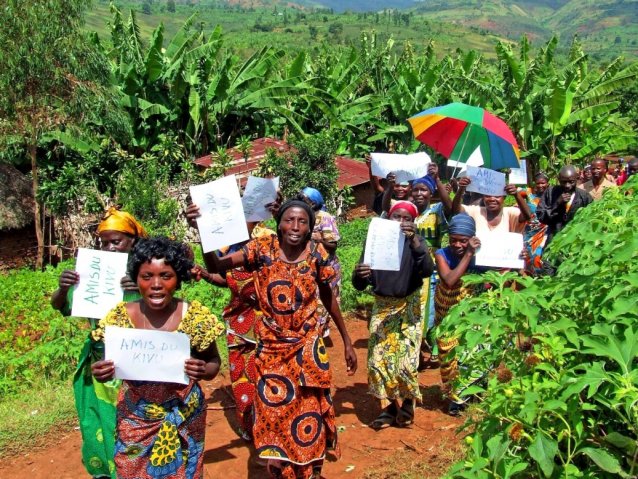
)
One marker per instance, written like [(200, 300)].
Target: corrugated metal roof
[(351, 172)]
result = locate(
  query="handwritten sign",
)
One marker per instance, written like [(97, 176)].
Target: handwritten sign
[(384, 245), (258, 193), (145, 355), (222, 221), (500, 250), (486, 181), (99, 288), (405, 167), (475, 159), (518, 176)]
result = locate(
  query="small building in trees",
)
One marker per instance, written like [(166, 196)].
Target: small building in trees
[(352, 173), (18, 244)]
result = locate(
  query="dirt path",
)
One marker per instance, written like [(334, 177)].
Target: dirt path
[(429, 444)]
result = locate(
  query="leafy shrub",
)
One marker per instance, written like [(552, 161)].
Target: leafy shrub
[(561, 384), (353, 236), (36, 342), (311, 163), (143, 191)]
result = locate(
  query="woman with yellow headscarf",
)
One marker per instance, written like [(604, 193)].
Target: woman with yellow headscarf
[(95, 402)]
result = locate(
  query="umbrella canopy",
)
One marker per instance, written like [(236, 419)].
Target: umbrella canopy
[(456, 130)]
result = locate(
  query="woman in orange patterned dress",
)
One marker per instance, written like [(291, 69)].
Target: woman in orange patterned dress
[(294, 415)]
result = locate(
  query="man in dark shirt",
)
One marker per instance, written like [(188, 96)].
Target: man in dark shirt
[(560, 203)]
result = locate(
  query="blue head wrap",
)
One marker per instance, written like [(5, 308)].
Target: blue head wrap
[(427, 181), (314, 196), (463, 225)]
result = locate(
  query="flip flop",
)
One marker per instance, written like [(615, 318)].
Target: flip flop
[(405, 417), (385, 419)]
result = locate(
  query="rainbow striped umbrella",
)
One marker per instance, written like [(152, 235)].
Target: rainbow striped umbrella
[(456, 130)]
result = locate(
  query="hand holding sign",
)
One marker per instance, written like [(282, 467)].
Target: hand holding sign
[(405, 167), (98, 289), (485, 181), (384, 245), (146, 355), (500, 250), (221, 221), (259, 192)]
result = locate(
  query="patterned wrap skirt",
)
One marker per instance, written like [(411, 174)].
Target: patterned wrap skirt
[(160, 431), (396, 332), (294, 414)]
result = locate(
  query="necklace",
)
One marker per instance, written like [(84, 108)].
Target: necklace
[(147, 322)]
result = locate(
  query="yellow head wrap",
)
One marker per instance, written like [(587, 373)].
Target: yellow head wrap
[(116, 220)]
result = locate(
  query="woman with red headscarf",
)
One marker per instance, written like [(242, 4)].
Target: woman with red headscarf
[(396, 326)]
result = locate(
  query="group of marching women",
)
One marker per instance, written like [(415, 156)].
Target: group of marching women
[(284, 291)]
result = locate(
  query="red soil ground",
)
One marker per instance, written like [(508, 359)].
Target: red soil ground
[(424, 449)]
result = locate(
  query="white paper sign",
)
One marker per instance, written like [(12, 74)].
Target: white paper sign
[(222, 221), (518, 176), (405, 167), (99, 288), (500, 250), (486, 181), (384, 245), (145, 355), (475, 159), (258, 193)]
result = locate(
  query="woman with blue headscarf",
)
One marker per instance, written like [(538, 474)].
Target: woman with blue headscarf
[(453, 262), (326, 233)]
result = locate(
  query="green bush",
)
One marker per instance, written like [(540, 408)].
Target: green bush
[(353, 236), (36, 342), (143, 191), (560, 394)]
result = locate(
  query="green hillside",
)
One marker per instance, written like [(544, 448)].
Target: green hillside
[(607, 28), (249, 29)]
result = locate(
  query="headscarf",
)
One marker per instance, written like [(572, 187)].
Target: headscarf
[(405, 205), (297, 204), (428, 181), (462, 225), (116, 220), (315, 196)]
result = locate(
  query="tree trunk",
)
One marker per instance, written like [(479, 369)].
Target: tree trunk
[(37, 211)]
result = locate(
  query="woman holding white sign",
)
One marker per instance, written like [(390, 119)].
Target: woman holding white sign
[(396, 326), (494, 217), (161, 425), (294, 415), (95, 402)]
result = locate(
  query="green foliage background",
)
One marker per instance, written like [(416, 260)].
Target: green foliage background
[(559, 357)]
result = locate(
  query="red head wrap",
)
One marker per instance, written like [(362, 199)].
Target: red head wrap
[(405, 205)]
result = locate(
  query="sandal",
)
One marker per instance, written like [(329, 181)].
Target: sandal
[(405, 417), (385, 419)]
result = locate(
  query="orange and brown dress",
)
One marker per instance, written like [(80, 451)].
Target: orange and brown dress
[(294, 415)]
